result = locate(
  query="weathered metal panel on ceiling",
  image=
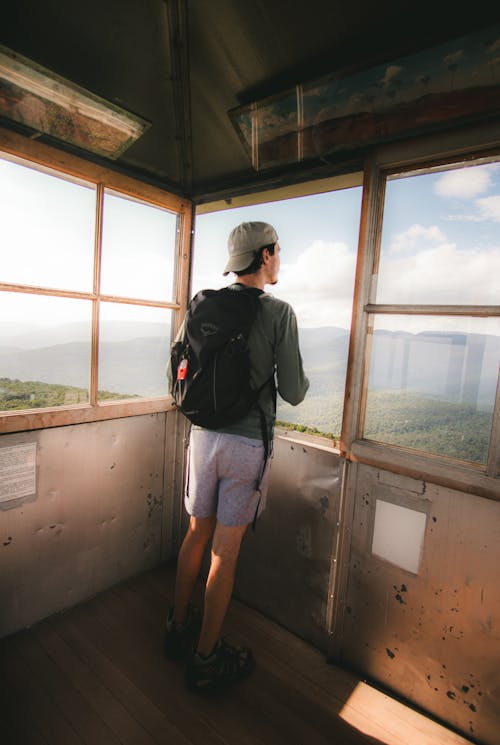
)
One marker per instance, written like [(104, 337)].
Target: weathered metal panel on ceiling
[(430, 633), (129, 64), (96, 517), (413, 94), (47, 103), (284, 566)]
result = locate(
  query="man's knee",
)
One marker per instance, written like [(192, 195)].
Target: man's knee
[(200, 529), (226, 542)]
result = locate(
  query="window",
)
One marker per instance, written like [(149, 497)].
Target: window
[(318, 235), (434, 323), (88, 291), (138, 249)]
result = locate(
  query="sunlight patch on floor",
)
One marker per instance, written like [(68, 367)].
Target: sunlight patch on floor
[(392, 723)]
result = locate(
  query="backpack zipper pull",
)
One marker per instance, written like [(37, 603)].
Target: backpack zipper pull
[(182, 370)]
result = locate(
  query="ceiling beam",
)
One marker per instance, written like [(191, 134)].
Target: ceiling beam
[(179, 49)]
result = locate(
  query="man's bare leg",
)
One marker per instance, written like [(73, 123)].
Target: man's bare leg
[(197, 536), (220, 582)]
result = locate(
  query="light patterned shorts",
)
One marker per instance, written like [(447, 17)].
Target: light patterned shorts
[(223, 475)]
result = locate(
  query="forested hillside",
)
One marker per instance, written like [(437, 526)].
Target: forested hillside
[(29, 394), (433, 392)]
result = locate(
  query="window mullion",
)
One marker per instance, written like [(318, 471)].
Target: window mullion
[(94, 365), (183, 264), (366, 268), (493, 464)]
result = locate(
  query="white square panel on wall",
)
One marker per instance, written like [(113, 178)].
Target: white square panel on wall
[(398, 535)]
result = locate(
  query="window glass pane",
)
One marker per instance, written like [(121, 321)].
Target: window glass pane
[(318, 236), (441, 238), (133, 352), (44, 361), (138, 249), (432, 384), (47, 228)]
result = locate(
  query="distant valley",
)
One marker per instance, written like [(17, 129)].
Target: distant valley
[(454, 370)]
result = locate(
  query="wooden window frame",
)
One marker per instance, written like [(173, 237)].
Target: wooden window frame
[(43, 156), (481, 142)]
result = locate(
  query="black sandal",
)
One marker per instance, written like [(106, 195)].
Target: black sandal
[(224, 667)]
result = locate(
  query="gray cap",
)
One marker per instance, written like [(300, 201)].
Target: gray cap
[(244, 242)]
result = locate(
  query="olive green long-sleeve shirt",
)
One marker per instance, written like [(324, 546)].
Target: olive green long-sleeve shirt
[(273, 345)]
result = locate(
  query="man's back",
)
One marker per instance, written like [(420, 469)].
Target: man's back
[(273, 344)]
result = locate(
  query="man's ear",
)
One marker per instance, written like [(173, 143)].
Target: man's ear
[(265, 256)]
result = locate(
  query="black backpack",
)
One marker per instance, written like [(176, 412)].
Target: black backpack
[(210, 365)]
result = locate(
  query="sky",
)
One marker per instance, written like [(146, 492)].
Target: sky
[(441, 238), (440, 244), (318, 236), (47, 227)]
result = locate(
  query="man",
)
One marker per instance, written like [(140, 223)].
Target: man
[(224, 468)]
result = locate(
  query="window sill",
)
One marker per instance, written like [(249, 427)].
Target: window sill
[(303, 438), (469, 479), (21, 421)]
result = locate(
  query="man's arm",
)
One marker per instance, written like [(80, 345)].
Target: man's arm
[(292, 382)]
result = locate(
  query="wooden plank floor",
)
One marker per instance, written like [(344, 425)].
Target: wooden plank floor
[(95, 675)]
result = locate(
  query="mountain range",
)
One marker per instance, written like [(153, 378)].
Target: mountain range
[(132, 358)]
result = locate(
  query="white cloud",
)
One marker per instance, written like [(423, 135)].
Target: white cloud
[(464, 183), (489, 208), (462, 217), (495, 47), (319, 284), (441, 274), (454, 58), (414, 236), (392, 74)]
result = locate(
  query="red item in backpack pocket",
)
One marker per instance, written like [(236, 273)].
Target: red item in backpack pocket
[(182, 370)]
